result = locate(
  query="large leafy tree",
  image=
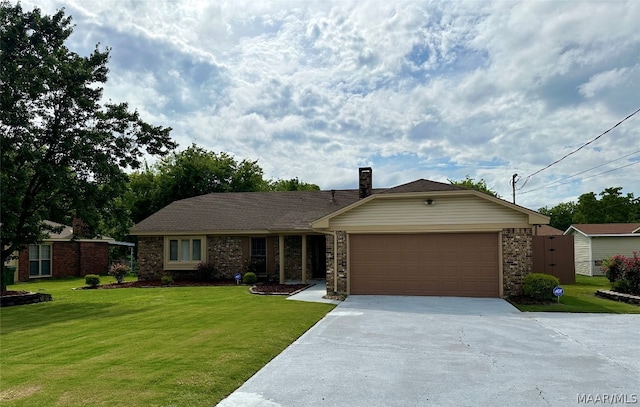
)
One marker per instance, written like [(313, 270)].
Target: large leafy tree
[(63, 151), (471, 183), (191, 172), (293, 184), (561, 215), (197, 171)]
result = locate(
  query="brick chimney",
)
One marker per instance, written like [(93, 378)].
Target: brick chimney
[(365, 181), (79, 227)]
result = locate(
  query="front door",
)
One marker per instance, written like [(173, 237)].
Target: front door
[(318, 256)]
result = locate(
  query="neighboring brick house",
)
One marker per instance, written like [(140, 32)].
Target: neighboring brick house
[(60, 255), (420, 238)]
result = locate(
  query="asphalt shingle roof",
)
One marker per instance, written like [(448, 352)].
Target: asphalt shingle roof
[(254, 211), (607, 228), (243, 211), (546, 230), (422, 185)]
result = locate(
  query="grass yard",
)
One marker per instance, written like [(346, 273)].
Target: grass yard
[(580, 297), (141, 346)]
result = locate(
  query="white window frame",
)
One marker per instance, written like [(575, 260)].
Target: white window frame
[(40, 259), (183, 255)]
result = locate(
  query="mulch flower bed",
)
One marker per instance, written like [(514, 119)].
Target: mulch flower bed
[(277, 289), (526, 300), (158, 283), (260, 288), (8, 293)]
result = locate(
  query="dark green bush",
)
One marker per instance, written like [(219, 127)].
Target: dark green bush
[(249, 278), (92, 280), (206, 272), (621, 286), (540, 286), (166, 280)]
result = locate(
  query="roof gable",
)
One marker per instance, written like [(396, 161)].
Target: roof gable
[(66, 233), (434, 196), (422, 185)]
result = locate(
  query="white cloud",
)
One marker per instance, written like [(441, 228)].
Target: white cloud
[(414, 89)]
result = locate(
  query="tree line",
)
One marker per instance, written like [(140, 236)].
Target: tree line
[(609, 206)]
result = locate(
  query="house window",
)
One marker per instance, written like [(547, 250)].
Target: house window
[(258, 263), (185, 249), (39, 260), (259, 247)]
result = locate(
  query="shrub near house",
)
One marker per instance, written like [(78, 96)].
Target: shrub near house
[(624, 273)]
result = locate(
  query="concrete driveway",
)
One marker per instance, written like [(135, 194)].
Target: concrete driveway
[(441, 351)]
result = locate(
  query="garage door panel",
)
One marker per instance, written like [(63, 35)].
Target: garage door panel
[(425, 264)]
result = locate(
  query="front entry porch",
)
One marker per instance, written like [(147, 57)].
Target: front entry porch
[(303, 257)]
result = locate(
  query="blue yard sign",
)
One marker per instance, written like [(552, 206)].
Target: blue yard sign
[(238, 277), (558, 291)]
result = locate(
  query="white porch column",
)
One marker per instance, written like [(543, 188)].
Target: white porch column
[(304, 259), (281, 257)]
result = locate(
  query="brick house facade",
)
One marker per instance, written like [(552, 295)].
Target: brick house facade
[(64, 254), (70, 259), (426, 238)]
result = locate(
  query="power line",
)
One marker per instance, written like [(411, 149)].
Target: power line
[(578, 173), (581, 147), (590, 176)]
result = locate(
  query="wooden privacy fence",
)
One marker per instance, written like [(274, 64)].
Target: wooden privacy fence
[(554, 255)]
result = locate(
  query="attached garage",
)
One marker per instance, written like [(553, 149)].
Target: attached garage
[(441, 264), (429, 238)]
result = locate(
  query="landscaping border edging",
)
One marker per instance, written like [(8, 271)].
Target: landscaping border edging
[(616, 296), (24, 299)]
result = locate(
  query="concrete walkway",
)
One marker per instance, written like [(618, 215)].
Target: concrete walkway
[(315, 293), (442, 351)]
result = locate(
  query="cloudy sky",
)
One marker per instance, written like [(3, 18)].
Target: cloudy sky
[(434, 90)]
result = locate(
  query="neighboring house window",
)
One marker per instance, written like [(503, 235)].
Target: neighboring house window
[(258, 255), (185, 249), (39, 260)]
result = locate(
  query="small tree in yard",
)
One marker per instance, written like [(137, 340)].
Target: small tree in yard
[(63, 151), (119, 271)]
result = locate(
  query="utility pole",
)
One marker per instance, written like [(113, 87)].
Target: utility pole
[(513, 186)]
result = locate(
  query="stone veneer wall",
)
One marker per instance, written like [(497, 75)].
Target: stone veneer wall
[(226, 253), (517, 259), (340, 253), (150, 253), (292, 257)]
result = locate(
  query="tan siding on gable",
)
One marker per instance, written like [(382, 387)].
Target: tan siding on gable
[(468, 210)]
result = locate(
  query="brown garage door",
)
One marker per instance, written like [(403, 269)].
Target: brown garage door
[(460, 264)]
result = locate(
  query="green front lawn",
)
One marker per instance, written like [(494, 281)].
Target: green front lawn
[(580, 297), (141, 346)]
